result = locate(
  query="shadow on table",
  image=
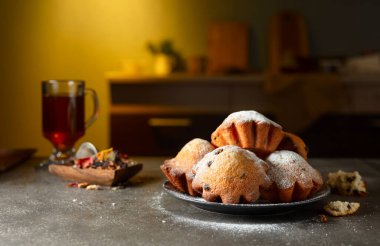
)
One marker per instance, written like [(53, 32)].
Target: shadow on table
[(306, 213), (142, 180)]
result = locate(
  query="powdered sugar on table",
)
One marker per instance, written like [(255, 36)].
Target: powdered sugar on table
[(214, 223)]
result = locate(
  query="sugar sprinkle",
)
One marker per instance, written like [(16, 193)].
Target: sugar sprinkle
[(215, 225)]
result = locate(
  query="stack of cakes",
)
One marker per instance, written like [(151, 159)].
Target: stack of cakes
[(249, 157)]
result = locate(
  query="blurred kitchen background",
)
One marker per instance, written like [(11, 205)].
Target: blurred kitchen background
[(167, 70)]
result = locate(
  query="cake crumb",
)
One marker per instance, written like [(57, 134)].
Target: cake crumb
[(83, 185), (339, 208), (118, 187), (93, 187), (347, 183)]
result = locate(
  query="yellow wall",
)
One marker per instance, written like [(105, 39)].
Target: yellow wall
[(44, 39)]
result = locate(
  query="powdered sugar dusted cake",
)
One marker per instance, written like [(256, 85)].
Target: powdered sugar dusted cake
[(230, 174), (176, 168), (293, 178), (247, 116), (249, 130)]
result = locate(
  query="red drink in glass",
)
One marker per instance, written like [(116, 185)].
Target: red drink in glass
[(63, 120)]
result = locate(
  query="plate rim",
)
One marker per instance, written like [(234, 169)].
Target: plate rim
[(324, 192)]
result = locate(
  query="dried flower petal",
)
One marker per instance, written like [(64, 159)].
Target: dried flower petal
[(104, 154), (84, 162)]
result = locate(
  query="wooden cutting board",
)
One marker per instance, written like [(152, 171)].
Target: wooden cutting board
[(11, 157), (228, 48), (95, 176)]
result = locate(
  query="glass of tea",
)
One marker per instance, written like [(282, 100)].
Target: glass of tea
[(63, 115)]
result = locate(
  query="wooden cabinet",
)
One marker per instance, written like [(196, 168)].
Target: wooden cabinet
[(158, 115), (160, 134)]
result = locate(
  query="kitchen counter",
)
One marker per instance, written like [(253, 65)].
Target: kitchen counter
[(38, 208)]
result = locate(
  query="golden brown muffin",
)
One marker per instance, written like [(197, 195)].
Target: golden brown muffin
[(293, 178), (293, 143), (230, 174), (249, 130), (175, 169)]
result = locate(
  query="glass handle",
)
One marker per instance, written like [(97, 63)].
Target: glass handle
[(95, 112)]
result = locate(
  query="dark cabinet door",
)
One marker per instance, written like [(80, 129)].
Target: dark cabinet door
[(150, 134), (344, 136)]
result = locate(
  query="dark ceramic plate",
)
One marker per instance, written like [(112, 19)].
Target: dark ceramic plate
[(254, 208)]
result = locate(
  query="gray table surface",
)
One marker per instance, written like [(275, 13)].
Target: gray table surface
[(37, 208)]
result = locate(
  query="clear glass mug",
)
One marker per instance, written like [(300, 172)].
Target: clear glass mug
[(63, 113)]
